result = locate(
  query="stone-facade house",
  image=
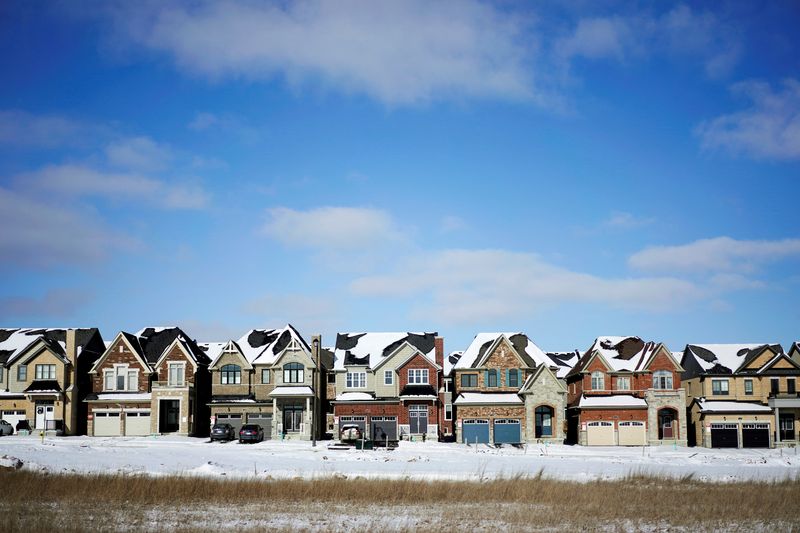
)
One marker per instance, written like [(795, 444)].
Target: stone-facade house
[(627, 392), (44, 376), (741, 395), (270, 377), (155, 381), (507, 392), (388, 383)]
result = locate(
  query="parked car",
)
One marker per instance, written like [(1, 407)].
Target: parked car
[(23, 425), (223, 432), (350, 432), (6, 428), (251, 433)]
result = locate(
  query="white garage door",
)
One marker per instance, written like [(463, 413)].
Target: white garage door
[(106, 424), (600, 434), (137, 423), (13, 416), (632, 433)]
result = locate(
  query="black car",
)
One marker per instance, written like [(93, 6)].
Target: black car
[(223, 432), (251, 433)]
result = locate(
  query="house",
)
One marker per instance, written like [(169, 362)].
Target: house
[(794, 352), (44, 376), (270, 377), (388, 383), (627, 392), (153, 381), (446, 420), (507, 391), (741, 395)]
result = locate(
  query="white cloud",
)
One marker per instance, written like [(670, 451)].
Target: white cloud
[(331, 228), (602, 37), (20, 128), (720, 254), (396, 52), (138, 153), (769, 128), (470, 286)]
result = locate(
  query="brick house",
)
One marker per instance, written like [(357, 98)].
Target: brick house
[(506, 392), (741, 395), (155, 381), (44, 377), (270, 377), (625, 391), (388, 384)]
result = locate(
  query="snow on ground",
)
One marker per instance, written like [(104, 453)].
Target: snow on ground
[(162, 455)]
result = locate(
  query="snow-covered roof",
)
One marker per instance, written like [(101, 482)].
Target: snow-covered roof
[(354, 397), (369, 349), (617, 400), (716, 406), (212, 349), (726, 357), (524, 346), (121, 396), (480, 398), (264, 345), (292, 391), (451, 360), (623, 354), (15, 341), (564, 361), (151, 343)]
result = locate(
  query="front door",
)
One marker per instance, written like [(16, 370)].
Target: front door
[(418, 418), (787, 427), (292, 418), (170, 411), (666, 421), (44, 411)]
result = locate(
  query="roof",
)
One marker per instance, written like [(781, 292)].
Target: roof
[(264, 345), (617, 400), (451, 360), (120, 396), (212, 349), (724, 358), (44, 385), (418, 391), (370, 349), (522, 344), (564, 361), (623, 354), (153, 341), (354, 397), (480, 398), (15, 341), (716, 406), (292, 391)]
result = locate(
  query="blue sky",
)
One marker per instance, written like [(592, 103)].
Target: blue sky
[(570, 171)]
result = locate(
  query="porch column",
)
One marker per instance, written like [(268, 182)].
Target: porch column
[(275, 418), (308, 416), (777, 425)]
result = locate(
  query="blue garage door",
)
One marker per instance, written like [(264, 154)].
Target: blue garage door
[(507, 430), (476, 431)]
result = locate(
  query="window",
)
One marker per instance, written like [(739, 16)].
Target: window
[(1, 373), (469, 380), (388, 377), (790, 385), (543, 420), (121, 375), (748, 387), (133, 380), (623, 383), (22, 373), (356, 380), (175, 376), (417, 376), (331, 377), (662, 379), (491, 378), (448, 385), (513, 378), (108, 383), (719, 387), (448, 411), (45, 371), (598, 381), (775, 384), (293, 373), (230, 375), (265, 375)]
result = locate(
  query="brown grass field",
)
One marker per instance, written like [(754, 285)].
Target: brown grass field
[(31, 501)]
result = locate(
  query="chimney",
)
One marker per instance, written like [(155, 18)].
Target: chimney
[(71, 347), (70, 407), (438, 342)]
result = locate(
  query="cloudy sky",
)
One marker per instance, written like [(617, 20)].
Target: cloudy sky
[(568, 171)]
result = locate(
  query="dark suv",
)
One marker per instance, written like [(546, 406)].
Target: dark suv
[(251, 433), (223, 432)]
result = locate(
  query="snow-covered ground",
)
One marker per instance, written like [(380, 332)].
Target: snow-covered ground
[(431, 460)]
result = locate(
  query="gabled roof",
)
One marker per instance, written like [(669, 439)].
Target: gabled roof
[(212, 349), (723, 358), (451, 360), (527, 387), (621, 354), (483, 343), (564, 361), (370, 349), (155, 340), (15, 341), (263, 346)]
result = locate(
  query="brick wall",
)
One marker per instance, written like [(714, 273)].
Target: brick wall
[(121, 354), (176, 355), (418, 361)]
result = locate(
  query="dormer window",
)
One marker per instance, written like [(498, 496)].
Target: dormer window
[(598, 380), (662, 380)]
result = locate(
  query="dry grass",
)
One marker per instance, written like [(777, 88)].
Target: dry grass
[(32, 501)]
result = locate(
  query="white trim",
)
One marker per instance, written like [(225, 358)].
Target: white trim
[(158, 411), (169, 349)]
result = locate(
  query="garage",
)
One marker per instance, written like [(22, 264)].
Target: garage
[(507, 431), (360, 421), (632, 433), (476, 431), (264, 420), (106, 424), (755, 435), (384, 428), (600, 434), (234, 419), (724, 436), (137, 423), (13, 417)]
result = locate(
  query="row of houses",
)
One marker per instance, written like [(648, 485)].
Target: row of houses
[(502, 389)]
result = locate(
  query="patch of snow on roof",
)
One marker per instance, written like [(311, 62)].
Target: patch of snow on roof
[(212, 349), (451, 360), (123, 396), (730, 356), (20, 340), (354, 396), (564, 361), (716, 406), (607, 347), (291, 391), (370, 347), (472, 354), (156, 329), (618, 400), (479, 398)]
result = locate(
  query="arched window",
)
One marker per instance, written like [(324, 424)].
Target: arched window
[(598, 381), (230, 375), (662, 379), (293, 373), (544, 421)]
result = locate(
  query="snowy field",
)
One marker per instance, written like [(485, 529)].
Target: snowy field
[(275, 459)]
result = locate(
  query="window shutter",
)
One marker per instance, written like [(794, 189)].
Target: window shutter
[(485, 378), (508, 376)]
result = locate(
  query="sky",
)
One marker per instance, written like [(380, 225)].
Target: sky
[(568, 170)]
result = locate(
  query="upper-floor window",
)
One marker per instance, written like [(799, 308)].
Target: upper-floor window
[(662, 379), (388, 377), (748, 387), (469, 380), (775, 385), (790, 385), (331, 377), (719, 387), (448, 385), (1, 374), (356, 380), (176, 374), (22, 373), (598, 380), (230, 375), (417, 376), (623, 383), (120, 378), (293, 373), (448, 411), (265, 375), (45, 371), (513, 377), (491, 378)]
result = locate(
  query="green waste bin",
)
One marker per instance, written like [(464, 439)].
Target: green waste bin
[(364, 444)]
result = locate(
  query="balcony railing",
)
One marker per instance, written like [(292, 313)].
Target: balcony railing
[(171, 385)]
